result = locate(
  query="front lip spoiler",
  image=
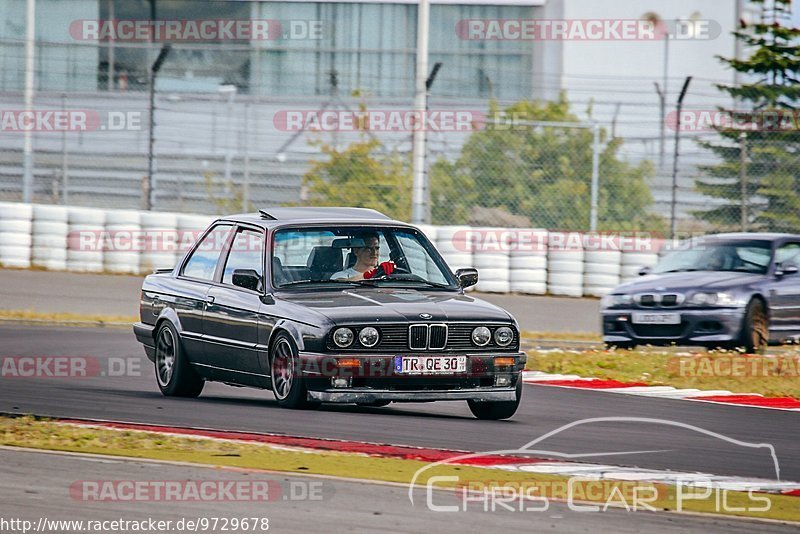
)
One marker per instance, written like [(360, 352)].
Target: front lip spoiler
[(373, 395)]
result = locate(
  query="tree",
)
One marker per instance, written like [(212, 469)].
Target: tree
[(543, 173), (361, 175), (760, 187)]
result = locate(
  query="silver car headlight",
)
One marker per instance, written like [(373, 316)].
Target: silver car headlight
[(481, 336), (612, 301), (343, 337), (713, 298), (368, 336)]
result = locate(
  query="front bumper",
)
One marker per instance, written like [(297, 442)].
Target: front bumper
[(373, 395), (706, 326), (375, 379)]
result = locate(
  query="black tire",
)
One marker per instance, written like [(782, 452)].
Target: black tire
[(284, 371), (492, 411), (755, 328), (174, 373), (375, 404)]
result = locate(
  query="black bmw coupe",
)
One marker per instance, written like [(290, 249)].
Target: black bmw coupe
[(339, 305)]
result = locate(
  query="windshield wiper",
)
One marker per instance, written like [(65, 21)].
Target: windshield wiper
[(374, 282), (327, 283), (677, 271)]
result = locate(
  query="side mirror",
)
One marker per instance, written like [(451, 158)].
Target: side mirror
[(645, 271), (246, 278), (467, 277), (782, 269)]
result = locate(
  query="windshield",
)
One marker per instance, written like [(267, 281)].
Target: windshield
[(744, 256), (356, 255)]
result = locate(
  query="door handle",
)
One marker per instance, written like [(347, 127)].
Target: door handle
[(210, 299)]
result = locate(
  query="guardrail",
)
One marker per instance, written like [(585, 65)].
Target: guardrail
[(510, 260)]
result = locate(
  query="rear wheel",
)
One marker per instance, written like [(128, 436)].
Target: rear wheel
[(755, 330), (287, 383), (174, 373), (496, 410)]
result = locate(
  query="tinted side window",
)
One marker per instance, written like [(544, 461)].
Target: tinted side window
[(789, 252), (246, 253), (204, 259)]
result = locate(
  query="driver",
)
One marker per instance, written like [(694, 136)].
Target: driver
[(366, 265)]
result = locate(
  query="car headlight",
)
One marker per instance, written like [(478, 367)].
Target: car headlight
[(368, 336), (503, 336), (712, 299), (611, 301), (343, 337), (481, 336)]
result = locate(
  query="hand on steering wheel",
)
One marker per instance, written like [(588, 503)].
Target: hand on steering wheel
[(384, 269)]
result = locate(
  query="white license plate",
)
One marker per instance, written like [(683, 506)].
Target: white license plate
[(430, 365), (656, 318)]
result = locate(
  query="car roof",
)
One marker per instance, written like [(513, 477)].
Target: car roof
[(750, 236), (271, 217)]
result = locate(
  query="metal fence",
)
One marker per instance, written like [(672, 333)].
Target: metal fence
[(228, 150)]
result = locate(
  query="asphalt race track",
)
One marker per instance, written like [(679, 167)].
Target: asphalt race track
[(35, 486), (98, 294), (133, 396)]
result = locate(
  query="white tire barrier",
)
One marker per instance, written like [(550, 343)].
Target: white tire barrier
[(45, 213), (565, 257), (190, 228), (565, 266), (453, 240), (15, 234), (84, 247), (533, 263), (50, 229), (528, 262), (162, 251), (122, 242), (493, 286), (491, 256), (608, 257), (14, 211)]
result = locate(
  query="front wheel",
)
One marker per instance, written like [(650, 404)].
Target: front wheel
[(287, 383), (755, 329), (496, 410), (174, 373)]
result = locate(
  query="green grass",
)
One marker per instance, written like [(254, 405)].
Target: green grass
[(43, 434), (774, 376)]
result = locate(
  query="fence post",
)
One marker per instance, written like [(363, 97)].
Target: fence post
[(743, 178), (595, 176)]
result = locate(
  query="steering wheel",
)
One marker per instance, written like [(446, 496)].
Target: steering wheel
[(381, 273)]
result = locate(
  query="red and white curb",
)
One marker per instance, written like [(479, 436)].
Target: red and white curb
[(666, 392), (505, 462)]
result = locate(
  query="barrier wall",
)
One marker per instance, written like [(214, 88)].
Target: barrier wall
[(509, 260)]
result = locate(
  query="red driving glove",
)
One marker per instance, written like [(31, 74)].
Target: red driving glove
[(384, 269)]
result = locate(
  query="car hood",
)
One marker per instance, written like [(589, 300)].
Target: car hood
[(711, 280), (368, 305)]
